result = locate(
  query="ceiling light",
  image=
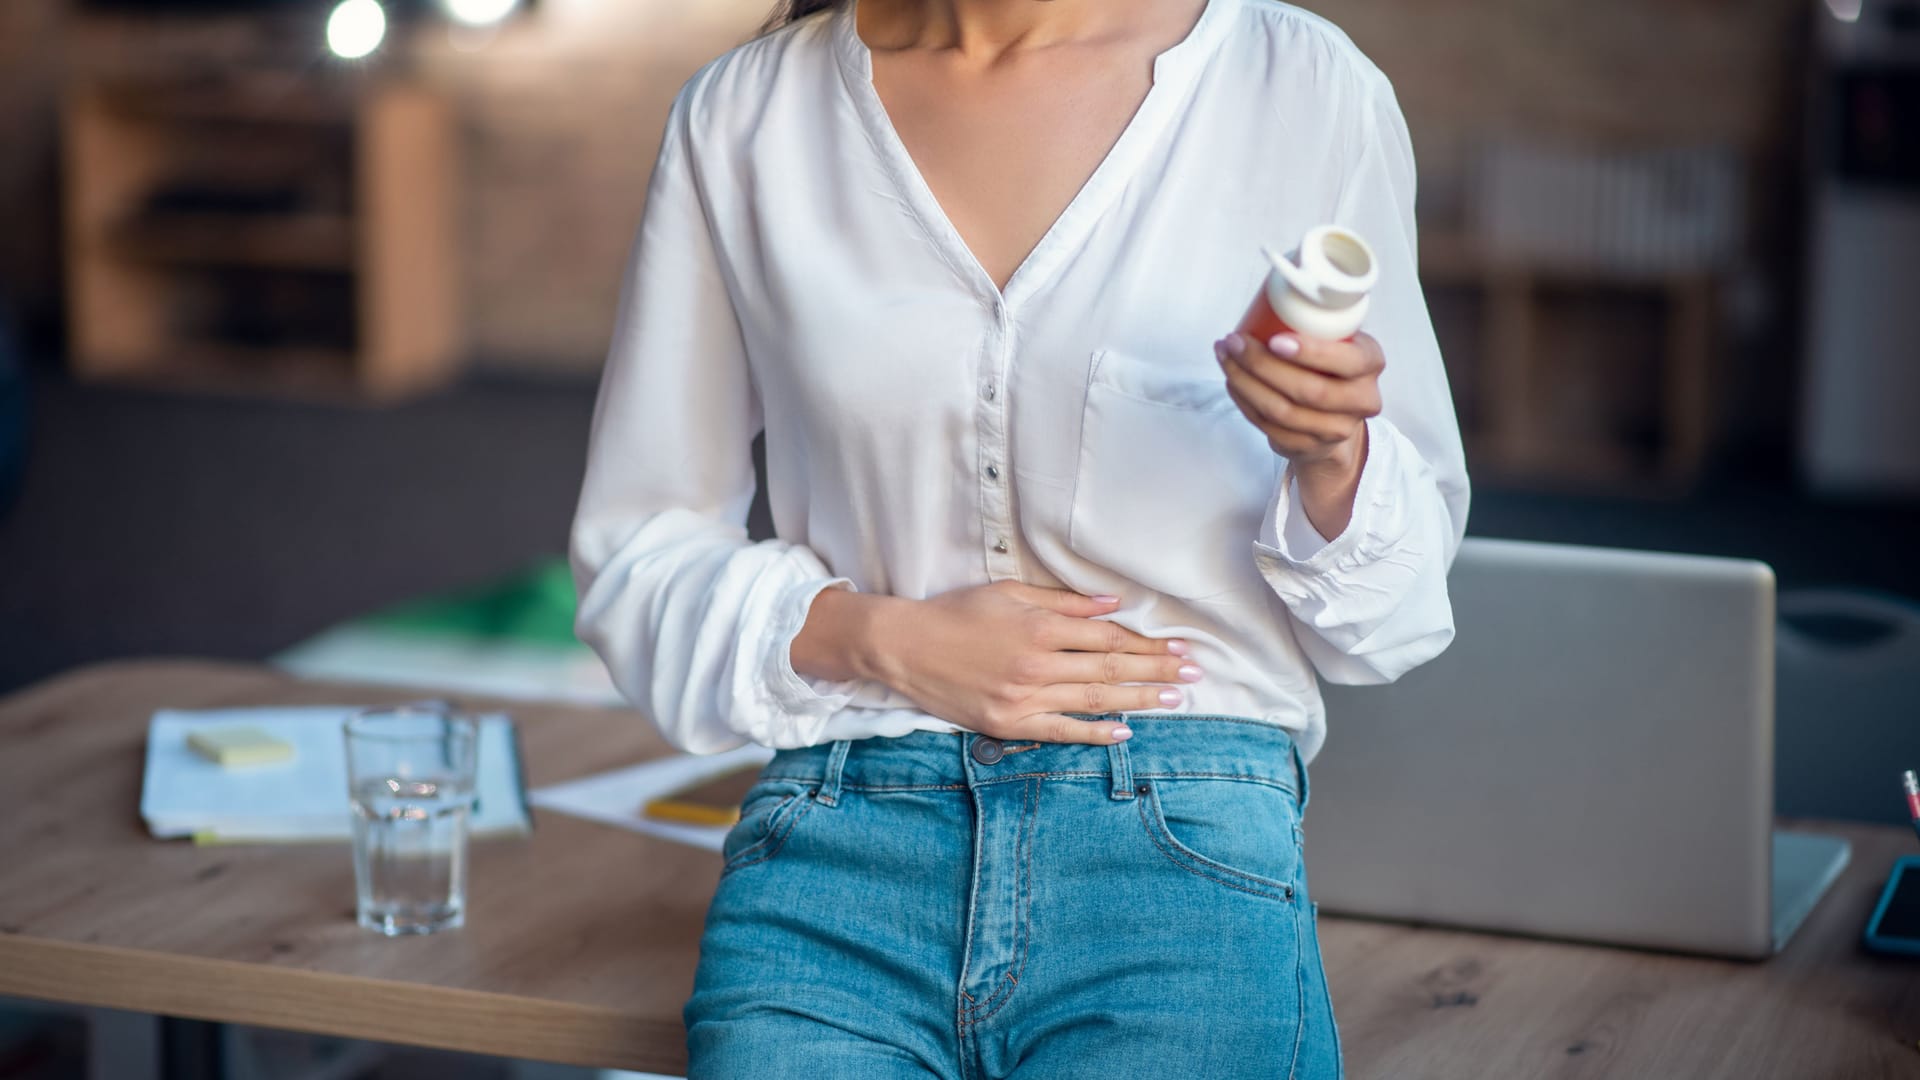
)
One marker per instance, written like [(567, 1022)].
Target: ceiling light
[(479, 12), (356, 28)]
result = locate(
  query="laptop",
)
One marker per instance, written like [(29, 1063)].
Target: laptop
[(1591, 759)]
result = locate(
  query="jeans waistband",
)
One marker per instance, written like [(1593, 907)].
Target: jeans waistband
[(1163, 746)]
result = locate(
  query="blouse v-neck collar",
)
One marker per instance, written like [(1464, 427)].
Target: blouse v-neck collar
[(1174, 70)]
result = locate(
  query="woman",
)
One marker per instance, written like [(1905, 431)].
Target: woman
[(1038, 634)]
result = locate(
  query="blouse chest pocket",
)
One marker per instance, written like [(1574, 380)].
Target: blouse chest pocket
[(1171, 480)]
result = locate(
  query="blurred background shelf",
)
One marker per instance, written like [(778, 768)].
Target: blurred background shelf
[(1510, 425), (1592, 272), (295, 239), (257, 97)]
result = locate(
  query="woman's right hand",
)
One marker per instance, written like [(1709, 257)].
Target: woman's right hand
[(1010, 660)]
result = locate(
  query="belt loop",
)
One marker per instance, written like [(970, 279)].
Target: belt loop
[(1120, 768), (829, 793)]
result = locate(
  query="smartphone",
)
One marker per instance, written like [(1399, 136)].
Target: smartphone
[(1895, 925), (714, 800)]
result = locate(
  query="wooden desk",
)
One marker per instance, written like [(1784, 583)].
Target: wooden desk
[(582, 939)]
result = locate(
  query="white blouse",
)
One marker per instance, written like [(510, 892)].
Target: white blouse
[(927, 431)]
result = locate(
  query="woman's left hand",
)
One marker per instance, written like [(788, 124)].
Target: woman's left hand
[(1312, 400)]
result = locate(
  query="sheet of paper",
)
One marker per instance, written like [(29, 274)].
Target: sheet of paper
[(615, 797)]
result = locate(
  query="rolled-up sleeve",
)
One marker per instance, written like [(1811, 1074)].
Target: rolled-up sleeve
[(694, 622), (1371, 604)]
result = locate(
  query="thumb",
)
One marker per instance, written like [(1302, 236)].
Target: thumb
[(1068, 602)]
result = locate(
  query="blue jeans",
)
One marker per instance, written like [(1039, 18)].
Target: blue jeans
[(940, 905)]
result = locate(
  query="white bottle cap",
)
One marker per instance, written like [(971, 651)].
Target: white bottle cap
[(1320, 288)]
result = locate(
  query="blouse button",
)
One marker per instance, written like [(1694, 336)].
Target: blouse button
[(993, 472), (1000, 546), (991, 392)]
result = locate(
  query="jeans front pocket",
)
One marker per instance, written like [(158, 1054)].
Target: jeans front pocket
[(1171, 480), (768, 815), (1241, 834)]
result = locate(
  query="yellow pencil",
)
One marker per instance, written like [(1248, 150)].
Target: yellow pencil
[(690, 813)]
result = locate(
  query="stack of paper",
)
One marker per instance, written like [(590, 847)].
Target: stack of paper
[(616, 797), (304, 798)]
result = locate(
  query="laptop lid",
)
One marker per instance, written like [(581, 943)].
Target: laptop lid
[(1591, 759)]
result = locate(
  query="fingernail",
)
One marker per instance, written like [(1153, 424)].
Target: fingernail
[(1284, 345), (1236, 345), (1103, 598), (1121, 734), (1179, 648), (1191, 673), (1170, 697)]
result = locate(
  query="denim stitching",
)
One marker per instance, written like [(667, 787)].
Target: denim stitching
[(1283, 785), (777, 838), (1009, 979), (1200, 866), (784, 829), (1320, 960), (1003, 995), (846, 786), (772, 813), (1022, 907), (1270, 781), (1252, 778), (966, 944), (1300, 991), (1002, 989)]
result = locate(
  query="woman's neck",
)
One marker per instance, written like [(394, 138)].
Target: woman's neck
[(984, 31)]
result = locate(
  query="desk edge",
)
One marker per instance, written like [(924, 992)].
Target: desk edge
[(325, 1003)]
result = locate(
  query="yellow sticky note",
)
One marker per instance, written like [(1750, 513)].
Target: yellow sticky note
[(237, 747)]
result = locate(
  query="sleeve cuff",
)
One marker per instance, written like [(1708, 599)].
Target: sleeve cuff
[(1300, 538), (792, 692), (1289, 538)]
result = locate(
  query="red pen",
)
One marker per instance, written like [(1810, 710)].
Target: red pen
[(1912, 784)]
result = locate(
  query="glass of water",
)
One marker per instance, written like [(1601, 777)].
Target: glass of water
[(410, 774)]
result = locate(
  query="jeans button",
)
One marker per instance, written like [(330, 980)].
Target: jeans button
[(987, 750)]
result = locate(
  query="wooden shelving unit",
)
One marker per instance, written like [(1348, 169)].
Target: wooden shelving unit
[(289, 242), (1510, 438), (264, 234)]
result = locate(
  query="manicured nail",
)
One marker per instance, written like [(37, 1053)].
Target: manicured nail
[(1170, 697), (1236, 345), (1121, 734), (1103, 598), (1191, 673), (1179, 648), (1284, 345)]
